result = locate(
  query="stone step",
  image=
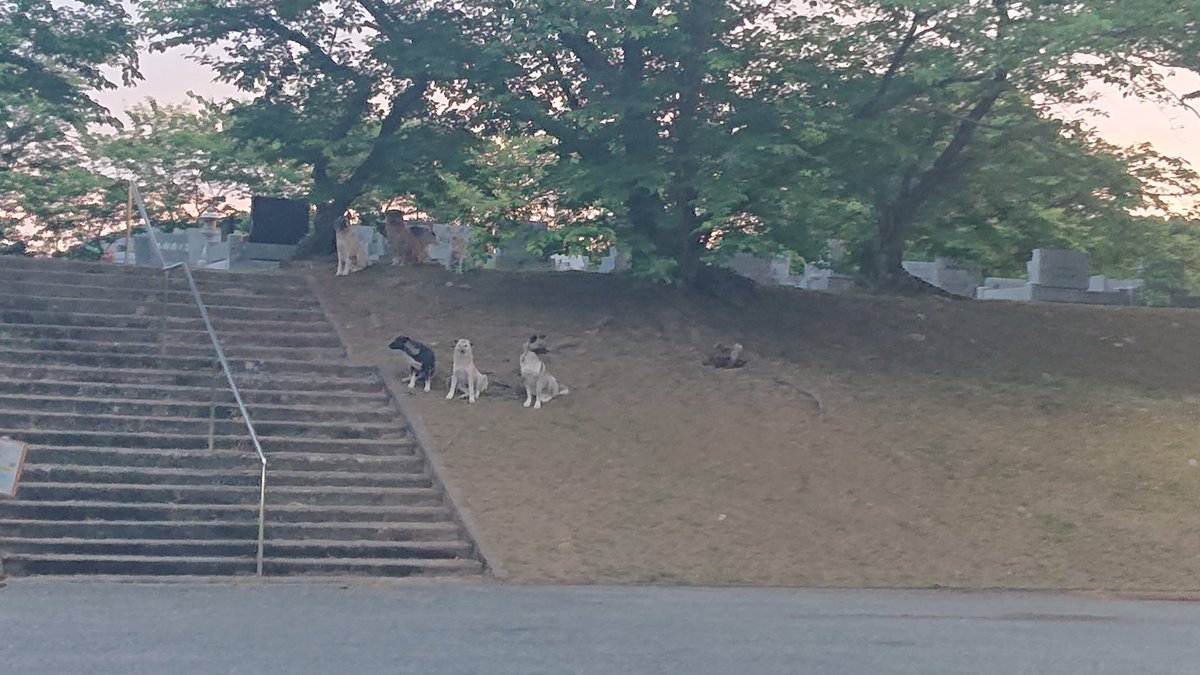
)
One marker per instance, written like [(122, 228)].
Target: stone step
[(197, 379), (222, 460), (131, 493), (95, 273), (241, 476), (371, 567), (144, 292), (333, 401), (174, 337), (167, 407), (153, 307), (104, 529), (227, 328), (125, 493), (445, 530), (39, 564), (22, 509), (248, 367), (246, 475), (351, 495), (272, 445), (235, 547), (219, 529), (199, 426), (52, 565), (205, 350), (364, 548), (210, 548)]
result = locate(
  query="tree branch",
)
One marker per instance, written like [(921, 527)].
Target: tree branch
[(893, 69), (944, 165), (592, 58), (401, 106)]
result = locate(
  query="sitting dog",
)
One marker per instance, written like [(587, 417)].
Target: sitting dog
[(352, 257), (464, 376), (540, 386), (418, 357), (406, 247)]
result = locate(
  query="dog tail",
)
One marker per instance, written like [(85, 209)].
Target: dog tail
[(563, 391)]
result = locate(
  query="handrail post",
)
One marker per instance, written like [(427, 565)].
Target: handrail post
[(162, 323), (212, 407), (262, 516)]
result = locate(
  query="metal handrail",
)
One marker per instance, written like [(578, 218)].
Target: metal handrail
[(216, 343)]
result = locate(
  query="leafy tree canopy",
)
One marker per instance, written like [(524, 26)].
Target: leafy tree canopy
[(54, 57), (357, 93), (185, 164)]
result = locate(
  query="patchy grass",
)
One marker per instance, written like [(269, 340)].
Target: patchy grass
[(1011, 446)]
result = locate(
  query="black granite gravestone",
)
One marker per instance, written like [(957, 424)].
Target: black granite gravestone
[(277, 221)]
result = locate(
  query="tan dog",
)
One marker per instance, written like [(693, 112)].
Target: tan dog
[(406, 247), (352, 257), (540, 386), (457, 261), (465, 377)]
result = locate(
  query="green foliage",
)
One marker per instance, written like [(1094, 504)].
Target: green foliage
[(689, 130), (50, 201), (667, 119), (362, 95), (185, 164), (930, 102), (53, 57)]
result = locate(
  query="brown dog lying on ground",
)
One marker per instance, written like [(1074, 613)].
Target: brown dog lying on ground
[(406, 246)]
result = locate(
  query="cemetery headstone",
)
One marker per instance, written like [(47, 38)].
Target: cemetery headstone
[(278, 221), (1060, 268), (513, 253), (569, 263)]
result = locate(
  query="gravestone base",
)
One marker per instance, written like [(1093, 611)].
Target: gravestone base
[(1032, 293)]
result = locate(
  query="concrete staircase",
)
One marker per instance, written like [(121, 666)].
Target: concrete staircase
[(121, 479)]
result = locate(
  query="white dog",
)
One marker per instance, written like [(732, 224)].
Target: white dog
[(352, 257), (540, 386), (464, 376)]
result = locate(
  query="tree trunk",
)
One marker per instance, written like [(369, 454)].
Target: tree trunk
[(320, 241), (886, 269), (890, 232)]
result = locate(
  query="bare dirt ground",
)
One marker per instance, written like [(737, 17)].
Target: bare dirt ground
[(958, 444)]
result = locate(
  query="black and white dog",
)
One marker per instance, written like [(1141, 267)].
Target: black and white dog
[(419, 358)]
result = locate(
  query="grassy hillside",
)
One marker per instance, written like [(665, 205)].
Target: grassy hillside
[(955, 443)]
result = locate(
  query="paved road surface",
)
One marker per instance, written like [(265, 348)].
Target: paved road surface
[(428, 629)]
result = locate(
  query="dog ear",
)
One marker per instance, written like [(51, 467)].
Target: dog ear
[(541, 337)]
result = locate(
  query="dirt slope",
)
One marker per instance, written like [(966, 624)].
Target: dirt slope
[(957, 443)]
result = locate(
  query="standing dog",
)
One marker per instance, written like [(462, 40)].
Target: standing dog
[(464, 376), (419, 358), (540, 386), (406, 247), (352, 257), (457, 260)]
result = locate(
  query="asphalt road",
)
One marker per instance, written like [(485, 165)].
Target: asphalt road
[(67, 628)]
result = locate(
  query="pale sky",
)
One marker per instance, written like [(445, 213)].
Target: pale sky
[(1172, 130)]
